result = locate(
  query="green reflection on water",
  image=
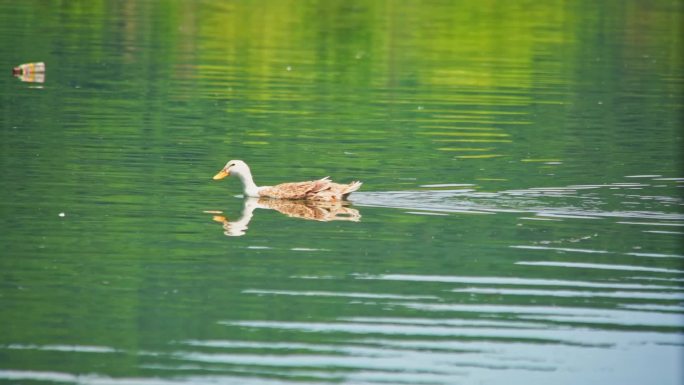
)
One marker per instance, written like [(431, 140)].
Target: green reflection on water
[(500, 101)]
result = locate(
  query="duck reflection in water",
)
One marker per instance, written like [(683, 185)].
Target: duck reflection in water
[(311, 210)]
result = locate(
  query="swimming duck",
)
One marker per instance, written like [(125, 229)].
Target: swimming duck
[(321, 190)]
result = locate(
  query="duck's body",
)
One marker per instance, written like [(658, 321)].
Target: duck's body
[(321, 190)]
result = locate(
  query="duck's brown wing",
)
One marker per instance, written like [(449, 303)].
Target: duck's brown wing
[(298, 190)]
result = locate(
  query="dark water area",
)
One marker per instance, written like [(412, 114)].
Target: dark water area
[(521, 219)]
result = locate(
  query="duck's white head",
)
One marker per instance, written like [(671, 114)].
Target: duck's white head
[(237, 167)]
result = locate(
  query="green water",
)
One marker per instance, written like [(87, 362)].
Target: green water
[(520, 221)]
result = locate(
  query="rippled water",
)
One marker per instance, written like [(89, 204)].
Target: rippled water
[(520, 221)]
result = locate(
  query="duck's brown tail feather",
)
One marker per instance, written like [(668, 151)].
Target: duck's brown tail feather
[(351, 187)]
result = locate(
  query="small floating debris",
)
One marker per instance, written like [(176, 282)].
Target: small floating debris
[(30, 72)]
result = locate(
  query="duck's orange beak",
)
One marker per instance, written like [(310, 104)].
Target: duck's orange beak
[(222, 174), (220, 219)]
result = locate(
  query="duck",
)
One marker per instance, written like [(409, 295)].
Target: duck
[(322, 189)]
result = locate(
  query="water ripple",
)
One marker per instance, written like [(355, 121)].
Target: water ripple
[(510, 281), (599, 266), (336, 294)]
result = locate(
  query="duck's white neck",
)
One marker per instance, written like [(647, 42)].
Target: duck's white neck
[(249, 187)]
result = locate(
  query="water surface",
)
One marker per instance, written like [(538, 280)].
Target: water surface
[(520, 221)]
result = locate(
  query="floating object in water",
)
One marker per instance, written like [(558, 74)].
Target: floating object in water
[(318, 190), (30, 72)]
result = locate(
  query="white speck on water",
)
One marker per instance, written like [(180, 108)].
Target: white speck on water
[(62, 215)]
